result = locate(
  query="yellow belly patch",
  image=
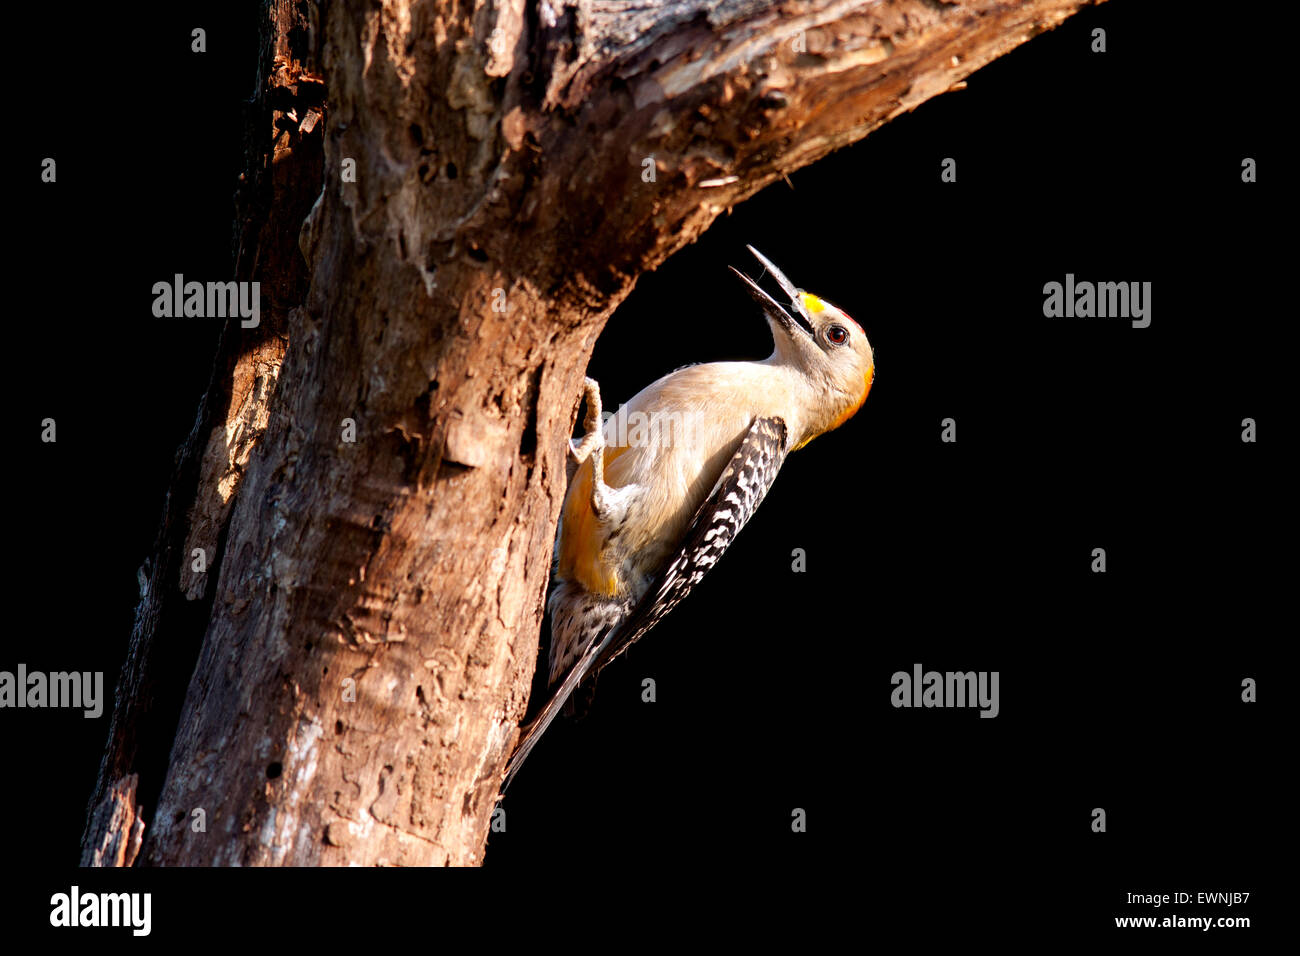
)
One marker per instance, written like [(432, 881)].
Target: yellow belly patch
[(582, 557)]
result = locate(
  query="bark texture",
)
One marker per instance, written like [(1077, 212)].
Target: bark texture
[(376, 474)]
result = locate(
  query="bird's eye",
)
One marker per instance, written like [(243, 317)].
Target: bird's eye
[(837, 335)]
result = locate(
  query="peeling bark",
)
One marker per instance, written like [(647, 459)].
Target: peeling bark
[(282, 177), (119, 825), (373, 626)]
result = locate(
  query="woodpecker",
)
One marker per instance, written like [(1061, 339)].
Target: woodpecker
[(650, 509)]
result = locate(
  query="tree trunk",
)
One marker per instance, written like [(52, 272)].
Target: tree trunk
[(376, 473)]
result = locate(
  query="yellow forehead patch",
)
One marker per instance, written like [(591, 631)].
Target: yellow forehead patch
[(812, 303)]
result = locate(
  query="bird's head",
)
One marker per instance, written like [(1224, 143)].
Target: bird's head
[(823, 343)]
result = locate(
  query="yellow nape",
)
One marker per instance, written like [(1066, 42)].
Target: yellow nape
[(581, 539), (812, 303)]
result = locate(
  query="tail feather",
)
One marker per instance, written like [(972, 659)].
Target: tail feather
[(532, 733), (578, 620), (580, 702)]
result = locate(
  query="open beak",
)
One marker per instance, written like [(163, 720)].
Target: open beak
[(771, 308)]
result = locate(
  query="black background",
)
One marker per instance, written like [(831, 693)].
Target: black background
[(1119, 691)]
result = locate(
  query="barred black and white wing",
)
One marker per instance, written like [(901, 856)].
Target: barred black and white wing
[(732, 502), (734, 499)]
